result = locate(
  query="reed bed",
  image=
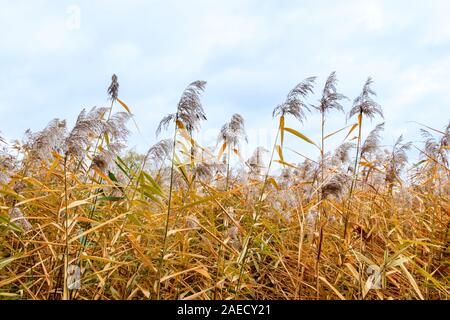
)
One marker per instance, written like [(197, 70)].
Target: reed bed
[(82, 217)]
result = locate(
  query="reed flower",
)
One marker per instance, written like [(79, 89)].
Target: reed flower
[(189, 110), (7, 165), (160, 151), (330, 97), (87, 126), (294, 104), (18, 217), (204, 171), (192, 222), (437, 148), (256, 161), (342, 153), (364, 103), (397, 160), (115, 127), (372, 141), (335, 186), (50, 139), (233, 132), (233, 234), (113, 89)]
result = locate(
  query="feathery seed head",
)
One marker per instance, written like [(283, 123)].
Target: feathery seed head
[(18, 217), (256, 161), (372, 141), (87, 126), (43, 143), (342, 153), (364, 103), (160, 151), (113, 89), (189, 110), (294, 103), (232, 132), (330, 97)]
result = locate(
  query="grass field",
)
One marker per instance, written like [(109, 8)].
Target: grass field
[(82, 217)]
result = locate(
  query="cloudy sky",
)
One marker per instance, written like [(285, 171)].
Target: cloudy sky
[(57, 57)]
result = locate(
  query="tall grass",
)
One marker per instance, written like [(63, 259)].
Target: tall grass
[(182, 222)]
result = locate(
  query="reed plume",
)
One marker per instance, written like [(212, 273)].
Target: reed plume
[(335, 186), (189, 110), (256, 161), (189, 113), (160, 151), (113, 89), (87, 126), (342, 153), (364, 103), (372, 141), (18, 217), (294, 104), (126, 225), (330, 99), (50, 139), (397, 161), (233, 132)]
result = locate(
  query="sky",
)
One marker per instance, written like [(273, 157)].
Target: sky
[(57, 57)]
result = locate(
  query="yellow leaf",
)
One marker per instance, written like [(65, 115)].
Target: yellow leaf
[(107, 138), (172, 232), (75, 204), (286, 164), (222, 150), (204, 272), (282, 129), (141, 252), (273, 182), (180, 273), (280, 152), (301, 136), (412, 281), (369, 165), (333, 133), (351, 130), (123, 105), (101, 174), (29, 200), (353, 271), (180, 125), (332, 288), (144, 291), (6, 261), (52, 167), (101, 259), (97, 227)]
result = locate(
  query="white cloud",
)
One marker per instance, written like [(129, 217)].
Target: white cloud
[(370, 14)]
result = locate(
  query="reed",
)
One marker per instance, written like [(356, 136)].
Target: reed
[(186, 221)]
